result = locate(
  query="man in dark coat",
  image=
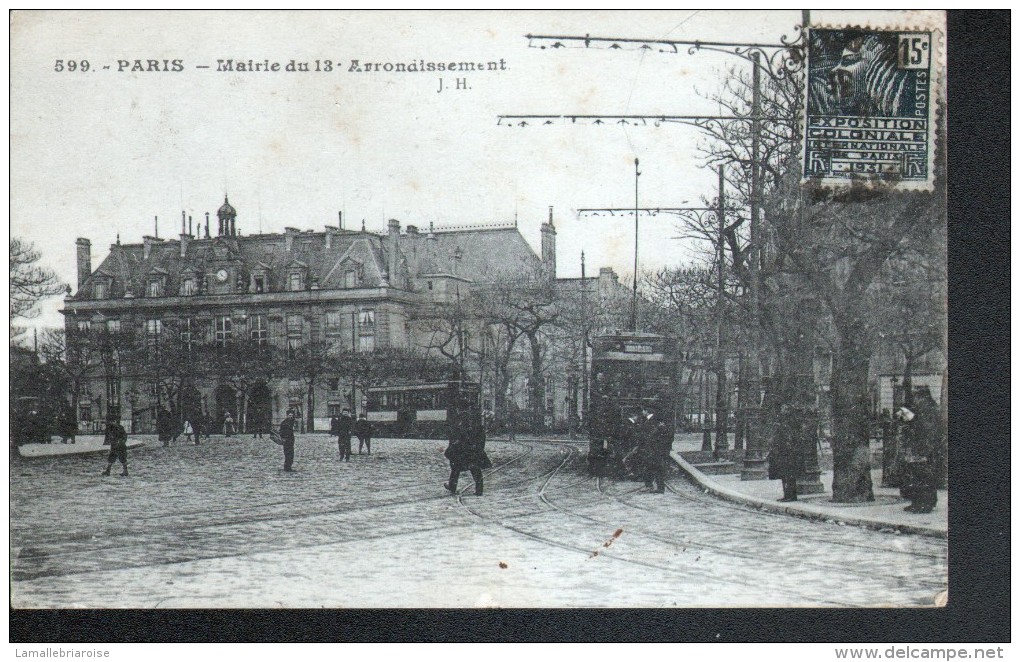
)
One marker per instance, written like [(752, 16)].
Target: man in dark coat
[(653, 449), (116, 436), (287, 436), (363, 430), (344, 429), (164, 426), (467, 451), (923, 436), (786, 461)]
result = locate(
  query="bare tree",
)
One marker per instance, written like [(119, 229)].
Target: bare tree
[(823, 254), (30, 283), (525, 303)]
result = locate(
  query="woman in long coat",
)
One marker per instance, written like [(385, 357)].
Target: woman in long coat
[(922, 454)]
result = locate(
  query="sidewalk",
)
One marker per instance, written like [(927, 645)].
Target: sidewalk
[(884, 513)]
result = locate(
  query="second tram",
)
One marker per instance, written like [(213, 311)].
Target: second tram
[(421, 411)]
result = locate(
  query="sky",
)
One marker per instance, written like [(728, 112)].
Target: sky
[(100, 152)]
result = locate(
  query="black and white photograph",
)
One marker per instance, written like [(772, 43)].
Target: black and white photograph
[(475, 310)]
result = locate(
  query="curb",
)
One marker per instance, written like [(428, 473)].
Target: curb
[(804, 511)]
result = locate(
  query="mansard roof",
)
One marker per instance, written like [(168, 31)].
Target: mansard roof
[(486, 253)]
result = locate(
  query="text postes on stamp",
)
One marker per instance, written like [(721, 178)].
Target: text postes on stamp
[(870, 107)]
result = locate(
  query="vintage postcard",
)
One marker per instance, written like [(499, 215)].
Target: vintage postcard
[(478, 309)]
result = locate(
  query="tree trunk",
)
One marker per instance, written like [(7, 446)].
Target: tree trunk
[(502, 383), (242, 420), (851, 456), (721, 410), (738, 434), (536, 384)]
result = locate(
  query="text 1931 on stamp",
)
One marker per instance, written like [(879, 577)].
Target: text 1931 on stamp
[(870, 107)]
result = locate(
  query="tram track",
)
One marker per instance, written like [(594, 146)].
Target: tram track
[(715, 502), (354, 518), (729, 550), (603, 553), (48, 548)]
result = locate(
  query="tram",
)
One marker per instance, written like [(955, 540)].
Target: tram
[(420, 411), (628, 371)]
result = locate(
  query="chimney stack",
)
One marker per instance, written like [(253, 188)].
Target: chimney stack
[(394, 248), (184, 236), (84, 260), (289, 234), (330, 231), (147, 242)]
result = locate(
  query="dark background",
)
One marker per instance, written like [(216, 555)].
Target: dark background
[(979, 572)]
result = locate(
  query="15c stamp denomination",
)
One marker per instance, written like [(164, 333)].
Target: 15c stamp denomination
[(870, 106)]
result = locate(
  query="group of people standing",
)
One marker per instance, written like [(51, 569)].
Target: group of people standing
[(343, 427), (652, 439), (169, 428), (915, 430)]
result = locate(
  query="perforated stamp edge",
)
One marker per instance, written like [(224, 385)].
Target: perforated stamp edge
[(937, 109)]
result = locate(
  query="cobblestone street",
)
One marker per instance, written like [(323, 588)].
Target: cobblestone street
[(221, 525)]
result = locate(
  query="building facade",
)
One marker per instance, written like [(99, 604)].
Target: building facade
[(350, 291)]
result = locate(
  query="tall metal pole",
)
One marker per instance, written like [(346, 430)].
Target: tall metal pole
[(584, 344), (721, 417), (633, 304), (754, 462)]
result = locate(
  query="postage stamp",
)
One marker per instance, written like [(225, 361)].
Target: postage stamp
[(870, 106)]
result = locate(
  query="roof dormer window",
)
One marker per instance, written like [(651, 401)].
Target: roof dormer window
[(295, 281), (189, 286), (101, 290), (154, 288)]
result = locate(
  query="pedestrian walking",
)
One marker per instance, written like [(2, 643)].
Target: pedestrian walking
[(344, 429), (466, 451), (786, 460), (116, 437), (228, 425), (920, 482), (287, 439), (207, 424), (189, 432), (363, 430), (164, 426)]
